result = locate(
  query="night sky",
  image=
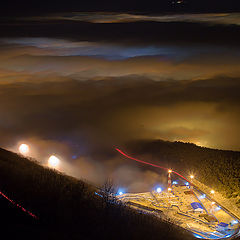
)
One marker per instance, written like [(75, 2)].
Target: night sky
[(76, 83), (29, 7)]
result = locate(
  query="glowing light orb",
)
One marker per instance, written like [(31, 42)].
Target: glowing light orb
[(24, 149), (212, 192), (169, 189), (159, 189), (120, 193), (213, 203), (53, 161), (169, 171), (191, 176)]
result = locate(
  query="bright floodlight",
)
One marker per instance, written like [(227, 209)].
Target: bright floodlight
[(191, 176), (212, 192), (159, 189), (53, 161), (169, 171), (169, 189), (23, 149), (120, 193)]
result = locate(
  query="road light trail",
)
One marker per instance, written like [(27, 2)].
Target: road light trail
[(18, 205), (147, 163)]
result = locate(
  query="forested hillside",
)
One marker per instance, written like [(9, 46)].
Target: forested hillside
[(218, 169)]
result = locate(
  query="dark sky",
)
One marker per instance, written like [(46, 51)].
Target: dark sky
[(29, 7), (76, 84)]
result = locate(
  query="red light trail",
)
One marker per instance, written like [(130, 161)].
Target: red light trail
[(147, 163), (18, 205)]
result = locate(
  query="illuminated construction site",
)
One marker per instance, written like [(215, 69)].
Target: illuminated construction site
[(185, 205)]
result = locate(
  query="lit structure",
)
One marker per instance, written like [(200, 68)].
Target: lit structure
[(53, 161), (222, 226), (197, 207), (169, 180), (24, 149)]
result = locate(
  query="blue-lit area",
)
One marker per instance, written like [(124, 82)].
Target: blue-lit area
[(235, 222), (197, 236), (98, 194), (227, 236), (108, 51), (158, 190), (218, 208), (174, 182), (203, 196), (120, 192)]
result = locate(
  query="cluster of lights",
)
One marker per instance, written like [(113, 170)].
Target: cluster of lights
[(53, 161)]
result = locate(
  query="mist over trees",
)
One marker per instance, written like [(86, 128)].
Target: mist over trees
[(218, 169)]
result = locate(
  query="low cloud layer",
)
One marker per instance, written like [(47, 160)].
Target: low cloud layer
[(78, 98), (95, 17)]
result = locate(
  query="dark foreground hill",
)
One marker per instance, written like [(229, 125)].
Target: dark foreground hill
[(67, 208)]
